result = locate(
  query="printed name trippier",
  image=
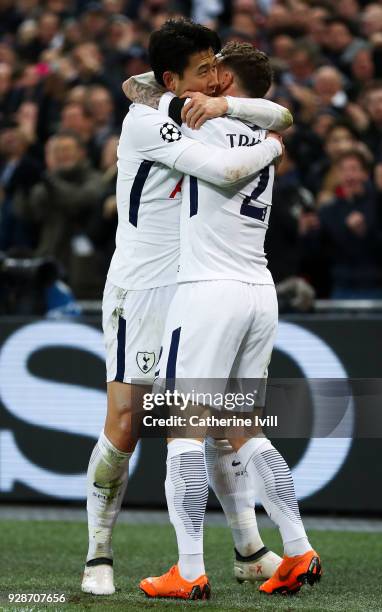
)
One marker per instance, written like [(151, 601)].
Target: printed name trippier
[(209, 421)]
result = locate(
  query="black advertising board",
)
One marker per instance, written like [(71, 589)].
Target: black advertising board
[(53, 401)]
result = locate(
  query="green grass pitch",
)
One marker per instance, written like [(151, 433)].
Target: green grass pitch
[(47, 557)]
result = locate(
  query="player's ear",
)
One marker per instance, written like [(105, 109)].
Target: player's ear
[(170, 80), (225, 79)]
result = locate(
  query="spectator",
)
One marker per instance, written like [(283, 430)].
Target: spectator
[(349, 238), (43, 34), (373, 104), (28, 8), (103, 223), (72, 34), (317, 32), (76, 117), (7, 55), (60, 206), (93, 21), (283, 46), (329, 86), (322, 176), (6, 92), (302, 63), (362, 71), (279, 19), (113, 7), (291, 205), (18, 173), (88, 62), (101, 108), (349, 10), (307, 143), (9, 17), (341, 44), (372, 21), (62, 63), (244, 23), (26, 118)]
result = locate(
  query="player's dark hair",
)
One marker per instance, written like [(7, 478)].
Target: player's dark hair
[(172, 45), (251, 66)]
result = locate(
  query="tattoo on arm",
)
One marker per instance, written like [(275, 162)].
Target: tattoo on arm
[(142, 93)]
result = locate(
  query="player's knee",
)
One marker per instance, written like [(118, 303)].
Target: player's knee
[(120, 403), (122, 432), (125, 424)]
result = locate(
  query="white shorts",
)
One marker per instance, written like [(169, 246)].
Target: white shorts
[(221, 329), (133, 324)]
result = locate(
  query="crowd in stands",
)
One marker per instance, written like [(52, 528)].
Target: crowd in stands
[(62, 63)]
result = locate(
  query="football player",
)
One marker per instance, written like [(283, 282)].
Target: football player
[(153, 155), (222, 323)]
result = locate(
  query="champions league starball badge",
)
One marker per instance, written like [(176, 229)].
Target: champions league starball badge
[(170, 133)]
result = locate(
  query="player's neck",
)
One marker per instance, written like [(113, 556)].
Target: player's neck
[(234, 90)]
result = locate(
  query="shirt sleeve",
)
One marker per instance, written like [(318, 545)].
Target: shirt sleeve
[(227, 167), (264, 113), (172, 106), (165, 100), (156, 138)]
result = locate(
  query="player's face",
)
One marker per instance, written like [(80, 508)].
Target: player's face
[(200, 75)]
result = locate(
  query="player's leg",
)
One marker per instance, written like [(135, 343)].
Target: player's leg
[(235, 491), (197, 363), (186, 483), (193, 363), (204, 365), (106, 484), (270, 473), (108, 467), (275, 489)]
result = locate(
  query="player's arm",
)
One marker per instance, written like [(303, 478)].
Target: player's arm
[(263, 113), (143, 89), (157, 139), (227, 167)]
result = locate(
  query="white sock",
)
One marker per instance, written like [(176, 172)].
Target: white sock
[(106, 486), (274, 486), (191, 566), (234, 490), (295, 547), (186, 493)]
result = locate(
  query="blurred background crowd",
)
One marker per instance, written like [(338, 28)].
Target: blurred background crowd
[(62, 63)]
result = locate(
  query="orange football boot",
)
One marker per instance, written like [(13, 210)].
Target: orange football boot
[(293, 573), (172, 584)]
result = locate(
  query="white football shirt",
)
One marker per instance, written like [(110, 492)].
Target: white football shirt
[(148, 199), (222, 231), (153, 154)]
